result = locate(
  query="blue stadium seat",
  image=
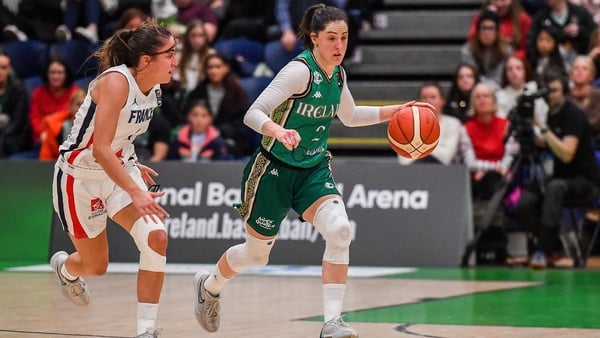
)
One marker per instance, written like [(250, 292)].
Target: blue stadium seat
[(245, 54), (79, 55), (254, 85), (28, 58), (31, 83), (276, 57)]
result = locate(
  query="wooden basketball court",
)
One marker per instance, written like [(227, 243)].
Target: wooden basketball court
[(286, 302)]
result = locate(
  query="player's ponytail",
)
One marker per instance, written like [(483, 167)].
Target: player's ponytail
[(315, 19), (126, 45)]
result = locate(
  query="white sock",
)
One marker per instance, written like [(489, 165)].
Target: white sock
[(146, 317), (333, 300), (65, 273), (216, 282)]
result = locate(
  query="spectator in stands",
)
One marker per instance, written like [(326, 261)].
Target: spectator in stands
[(465, 78), (132, 18), (15, 131), (81, 17), (447, 150), (585, 95), (594, 53), (195, 48), (516, 81), (487, 50), (188, 10), (514, 23), (228, 102), (199, 140), (113, 10), (154, 144), (573, 23), (288, 15), (248, 19), (51, 96), (164, 11), (575, 180), (593, 6), (36, 19), (57, 127), (488, 134), (547, 54)]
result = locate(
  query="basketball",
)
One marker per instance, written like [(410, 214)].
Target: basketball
[(413, 132)]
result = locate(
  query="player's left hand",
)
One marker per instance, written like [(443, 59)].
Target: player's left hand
[(147, 174)]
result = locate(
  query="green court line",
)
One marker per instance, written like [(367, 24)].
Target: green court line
[(564, 299)]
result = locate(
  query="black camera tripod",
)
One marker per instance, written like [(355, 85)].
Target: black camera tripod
[(534, 163)]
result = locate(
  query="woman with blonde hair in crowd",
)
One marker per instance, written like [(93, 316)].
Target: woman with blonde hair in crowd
[(195, 47)]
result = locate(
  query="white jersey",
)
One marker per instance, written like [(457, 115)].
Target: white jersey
[(134, 118)]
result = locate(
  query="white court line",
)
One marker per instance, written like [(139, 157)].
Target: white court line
[(270, 270)]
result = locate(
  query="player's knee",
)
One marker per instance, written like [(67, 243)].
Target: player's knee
[(151, 241), (158, 241), (332, 218), (253, 253)]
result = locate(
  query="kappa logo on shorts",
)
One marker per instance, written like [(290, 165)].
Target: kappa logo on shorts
[(274, 172)]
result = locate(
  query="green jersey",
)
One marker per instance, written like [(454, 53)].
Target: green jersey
[(310, 113)]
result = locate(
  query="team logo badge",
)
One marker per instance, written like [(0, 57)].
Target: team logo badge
[(318, 78), (96, 205)]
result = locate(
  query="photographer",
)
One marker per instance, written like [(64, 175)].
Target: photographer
[(575, 180)]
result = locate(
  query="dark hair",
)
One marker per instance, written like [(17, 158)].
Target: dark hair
[(197, 103), (315, 19), (69, 74), (432, 83), (552, 75), (126, 46)]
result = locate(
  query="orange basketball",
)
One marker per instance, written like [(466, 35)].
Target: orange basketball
[(413, 132)]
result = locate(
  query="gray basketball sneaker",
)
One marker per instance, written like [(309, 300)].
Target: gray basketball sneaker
[(336, 328), (76, 291), (207, 306)]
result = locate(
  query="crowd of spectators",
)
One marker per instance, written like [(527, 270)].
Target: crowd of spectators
[(215, 64), (526, 93)]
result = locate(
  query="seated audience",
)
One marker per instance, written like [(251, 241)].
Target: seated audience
[(188, 10), (199, 139), (487, 50), (517, 80), (464, 79), (228, 102), (547, 54), (57, 127), (575, 179), (51, 96), (15, 131), (573, 23), (585, 95), (514, 23)]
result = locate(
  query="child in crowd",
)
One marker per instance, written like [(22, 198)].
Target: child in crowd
[(199, 140)]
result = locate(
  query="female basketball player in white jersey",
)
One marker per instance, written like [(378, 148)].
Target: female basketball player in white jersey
[(97, 174), (292, 167)]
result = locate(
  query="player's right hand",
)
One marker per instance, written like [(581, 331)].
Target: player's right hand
[(289, 138)]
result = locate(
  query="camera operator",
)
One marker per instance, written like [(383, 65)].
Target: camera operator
[(575, 178)]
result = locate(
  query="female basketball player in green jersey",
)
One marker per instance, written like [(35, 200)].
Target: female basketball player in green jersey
[(291, 169)]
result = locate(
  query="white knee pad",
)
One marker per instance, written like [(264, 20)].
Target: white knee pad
[(332, 222), (150, 260), (253, 253)]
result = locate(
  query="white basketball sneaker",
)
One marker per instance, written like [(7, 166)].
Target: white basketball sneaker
[(337, 328), (76, 291), (207, 306), (149, 334)]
